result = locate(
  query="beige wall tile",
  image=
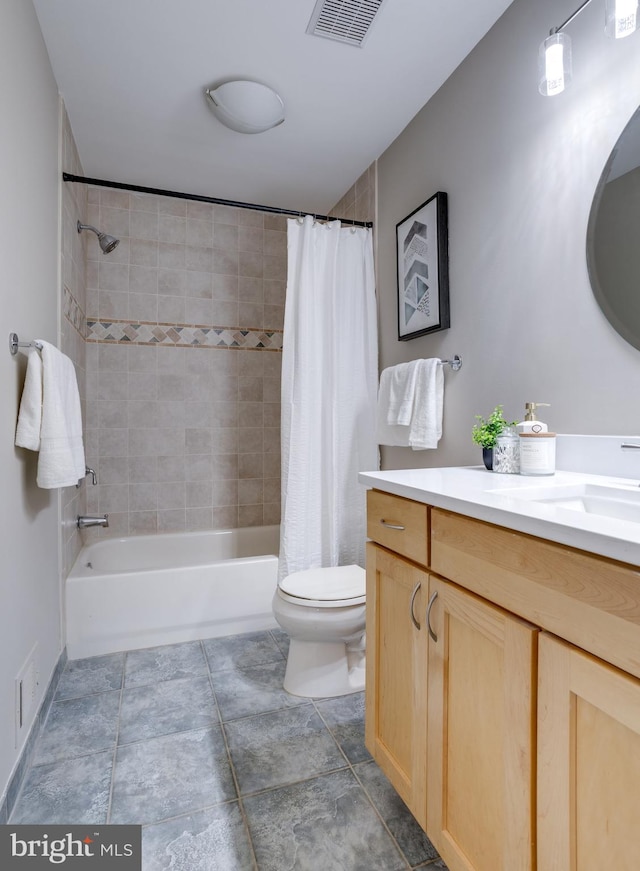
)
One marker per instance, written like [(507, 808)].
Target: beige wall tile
[(171, 521), (173, 229), (164, 421)]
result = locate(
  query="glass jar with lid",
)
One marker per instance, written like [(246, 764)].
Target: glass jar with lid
[(506, 454)]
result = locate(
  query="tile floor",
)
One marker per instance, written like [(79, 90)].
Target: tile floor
[(199, 743)]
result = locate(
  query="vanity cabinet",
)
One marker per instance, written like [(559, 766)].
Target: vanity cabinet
[(396, 697), (396, 712), (588, 762), (481, 717), (503, 690)]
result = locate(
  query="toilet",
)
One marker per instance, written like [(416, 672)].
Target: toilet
[(323, 612)]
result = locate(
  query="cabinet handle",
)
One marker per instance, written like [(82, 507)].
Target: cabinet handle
[(391, 525), (432, 634), (413, 598)]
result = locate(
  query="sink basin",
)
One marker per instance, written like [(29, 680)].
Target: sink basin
[(619, 502)]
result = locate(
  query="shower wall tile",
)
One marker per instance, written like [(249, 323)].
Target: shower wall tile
[(359, 202), (74, 207), (184, 331)]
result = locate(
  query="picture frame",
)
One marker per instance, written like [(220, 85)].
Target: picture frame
[(422, 253)]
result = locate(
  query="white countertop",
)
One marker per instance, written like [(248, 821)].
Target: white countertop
[(489, 496)]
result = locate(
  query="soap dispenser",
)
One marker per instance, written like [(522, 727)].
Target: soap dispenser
[(530, 424)]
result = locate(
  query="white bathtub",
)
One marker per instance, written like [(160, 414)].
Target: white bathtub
[(142, 591)]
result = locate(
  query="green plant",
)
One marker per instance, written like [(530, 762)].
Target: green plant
[(486, 431)]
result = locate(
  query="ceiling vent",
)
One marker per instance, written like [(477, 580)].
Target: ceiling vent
[(344, 20)]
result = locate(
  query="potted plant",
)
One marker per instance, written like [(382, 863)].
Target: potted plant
[(486, 431)]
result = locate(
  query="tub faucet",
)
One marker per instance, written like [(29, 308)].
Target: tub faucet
[(86, 520)]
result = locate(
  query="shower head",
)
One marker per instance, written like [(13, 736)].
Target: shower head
[(107, 243)]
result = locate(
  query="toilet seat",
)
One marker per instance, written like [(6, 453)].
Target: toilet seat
[(333, 587)]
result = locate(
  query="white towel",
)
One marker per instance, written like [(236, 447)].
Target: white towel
[(402, 386), (50, 419), (424, 429)]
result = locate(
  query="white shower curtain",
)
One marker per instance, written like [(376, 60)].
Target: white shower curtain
[(329, 391)]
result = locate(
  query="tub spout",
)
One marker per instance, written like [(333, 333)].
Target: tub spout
[(87, 520)]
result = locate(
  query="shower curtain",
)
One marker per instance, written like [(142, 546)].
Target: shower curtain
[(329, 394)]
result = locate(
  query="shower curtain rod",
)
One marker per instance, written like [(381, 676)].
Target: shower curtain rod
[(136, 188)]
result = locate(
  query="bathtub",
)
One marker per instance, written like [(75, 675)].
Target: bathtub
[(146, 590)]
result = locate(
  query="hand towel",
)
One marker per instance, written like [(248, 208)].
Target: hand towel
[(402, 385), (50, 419), (423, 430), (388, 434), (30, 415)]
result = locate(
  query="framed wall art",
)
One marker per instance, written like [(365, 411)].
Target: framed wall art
[(423, 269)]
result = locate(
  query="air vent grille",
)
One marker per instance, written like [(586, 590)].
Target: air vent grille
[(344, 20)]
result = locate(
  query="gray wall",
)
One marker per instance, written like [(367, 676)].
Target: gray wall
[(520, 171), (29, 577)]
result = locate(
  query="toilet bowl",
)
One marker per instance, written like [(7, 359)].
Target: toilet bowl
[(323, 612)]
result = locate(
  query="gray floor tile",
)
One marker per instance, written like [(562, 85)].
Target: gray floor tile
[(282, 640), (413, 842), (170, 662), (75, 727), (165, 707), (281, 747), (172, 775), (212, 840), (326, 823), (345, 718), (434, 866), (97, 674), (245, 692), (71, 792), (241, 651)]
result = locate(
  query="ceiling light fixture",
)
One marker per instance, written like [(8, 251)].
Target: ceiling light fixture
[(554, 57), (246, 106)]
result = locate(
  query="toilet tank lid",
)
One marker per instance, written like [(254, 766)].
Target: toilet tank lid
[(328, 584)]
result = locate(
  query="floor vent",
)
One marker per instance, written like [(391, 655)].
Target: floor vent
[(344, 20)]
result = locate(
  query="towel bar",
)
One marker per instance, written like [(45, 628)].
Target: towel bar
[(455, 362), (15, 343)]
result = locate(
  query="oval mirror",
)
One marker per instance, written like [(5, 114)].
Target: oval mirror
[(613, 236)]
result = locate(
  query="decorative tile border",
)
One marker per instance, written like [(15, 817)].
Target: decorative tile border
[(72, 311), (183, 336)]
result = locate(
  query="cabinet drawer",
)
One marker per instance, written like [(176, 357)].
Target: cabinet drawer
[(589, 600), (399, 524)]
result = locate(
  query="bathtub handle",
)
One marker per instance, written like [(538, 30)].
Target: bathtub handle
[(391, 525), (413, 599)]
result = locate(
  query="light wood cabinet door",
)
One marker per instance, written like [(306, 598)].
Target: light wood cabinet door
[(396, 677), (588, 762), (481, 719)]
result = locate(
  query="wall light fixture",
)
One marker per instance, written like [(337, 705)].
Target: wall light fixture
[(554, 57)]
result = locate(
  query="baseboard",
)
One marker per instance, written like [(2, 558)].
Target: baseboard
[(15, 781)]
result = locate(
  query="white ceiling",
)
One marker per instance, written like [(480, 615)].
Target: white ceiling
[(133, 72)]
